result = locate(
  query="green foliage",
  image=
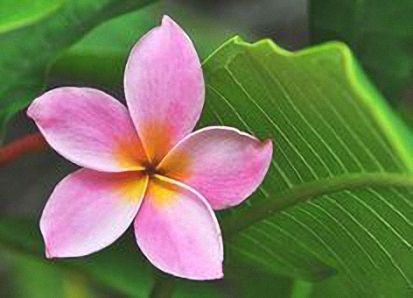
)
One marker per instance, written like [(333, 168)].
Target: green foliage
[(380, 32), (36, 278), (17, 14), (338, 197), (26, 52), (119, 267), (100, 57)]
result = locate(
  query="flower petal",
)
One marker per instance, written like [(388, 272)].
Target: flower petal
[(88, 127), (222, 163), (89, 210), (178, 232), (164, 87)]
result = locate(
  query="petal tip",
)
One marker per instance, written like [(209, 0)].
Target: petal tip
[(266, 150), (267, 154), (169, 23), (48, 254), (219, 274), (268, 145), (167, 20), (31, 111), (216, 274), (213, 275)]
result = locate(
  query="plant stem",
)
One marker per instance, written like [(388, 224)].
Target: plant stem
[(25, 145)]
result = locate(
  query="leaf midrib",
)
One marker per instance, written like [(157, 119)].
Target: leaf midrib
[(307, 191)]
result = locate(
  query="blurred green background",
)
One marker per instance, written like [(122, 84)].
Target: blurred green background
[(379, 32)]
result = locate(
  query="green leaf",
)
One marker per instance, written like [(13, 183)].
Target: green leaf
[(26, 53), (36, 278), (247, 281), (21, 271), (380, 32), (120, 267), (100, 57), (405, 110), (17, 14), (338, 197)]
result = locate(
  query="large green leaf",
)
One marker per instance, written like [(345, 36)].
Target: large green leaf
[(27, 52), (338, 198), (380, 32)]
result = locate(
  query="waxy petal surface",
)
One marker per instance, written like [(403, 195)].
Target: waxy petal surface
[(178, 232), (89, 210), (164, 88), (222, 163), (89, 128)]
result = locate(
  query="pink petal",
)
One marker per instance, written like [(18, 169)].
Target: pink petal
[(222, 163), (178, 232), (89, 210), (164, 87), (88, 127)]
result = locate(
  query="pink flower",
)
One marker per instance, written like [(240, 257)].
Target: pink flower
[(145, 165)]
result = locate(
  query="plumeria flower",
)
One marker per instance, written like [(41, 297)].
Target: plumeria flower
[(144, 165)]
